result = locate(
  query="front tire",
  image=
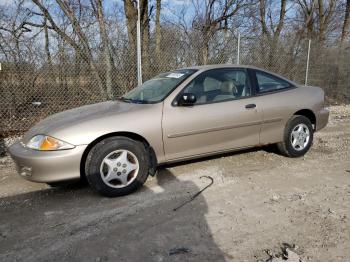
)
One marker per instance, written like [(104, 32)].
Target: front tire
[(117, 166), (298, 137)]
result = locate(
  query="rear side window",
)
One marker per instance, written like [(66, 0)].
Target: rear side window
[(270, 83)]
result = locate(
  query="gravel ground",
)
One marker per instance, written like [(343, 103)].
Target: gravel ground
[(261, 206)]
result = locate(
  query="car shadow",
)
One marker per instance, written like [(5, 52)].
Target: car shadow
[(140, 227), (72, 223)]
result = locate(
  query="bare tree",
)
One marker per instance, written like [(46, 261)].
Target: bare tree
[(317, 17), (158, 32), (105, 45), (82, 47), (131, 20), (215, 17), (345, 28), (144, 16), (47, 43), (16, 32), (272, 32), (325, 14), (306, 25)]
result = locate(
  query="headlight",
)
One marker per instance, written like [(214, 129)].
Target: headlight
[(47, 143)]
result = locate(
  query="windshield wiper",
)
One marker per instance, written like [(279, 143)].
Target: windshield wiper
[(128, 100), (135, 101), (138, 101)]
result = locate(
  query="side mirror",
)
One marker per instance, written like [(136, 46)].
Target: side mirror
[(187, 99)]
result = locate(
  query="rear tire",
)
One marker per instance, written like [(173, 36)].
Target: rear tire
[(297, 138), (117, 166)]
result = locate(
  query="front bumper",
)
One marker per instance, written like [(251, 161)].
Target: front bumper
[(47, 166), (322, 118)]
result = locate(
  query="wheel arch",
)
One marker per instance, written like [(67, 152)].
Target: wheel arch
[(308, 114), (131, 135)]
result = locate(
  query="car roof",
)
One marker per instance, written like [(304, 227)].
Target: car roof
[(206, 67), (217, 66)]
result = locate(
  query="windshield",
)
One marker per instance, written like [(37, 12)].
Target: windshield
[(157, 88)]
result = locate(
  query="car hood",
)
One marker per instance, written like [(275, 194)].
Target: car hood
[(81, 116)]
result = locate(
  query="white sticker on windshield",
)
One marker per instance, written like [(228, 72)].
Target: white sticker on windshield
[(175, 75)]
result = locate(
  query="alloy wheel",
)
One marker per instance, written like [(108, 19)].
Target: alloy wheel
[(119, 168), (300, 137)]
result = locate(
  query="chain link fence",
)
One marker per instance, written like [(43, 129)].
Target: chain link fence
[(30, 91)]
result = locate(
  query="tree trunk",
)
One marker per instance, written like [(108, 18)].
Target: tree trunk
[(105, 48), (145, 38), (158, 34), (131, 20), (47, 43), (321, 18), (344, 32), (205, 51)]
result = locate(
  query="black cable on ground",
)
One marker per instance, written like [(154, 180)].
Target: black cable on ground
[(197, 194)]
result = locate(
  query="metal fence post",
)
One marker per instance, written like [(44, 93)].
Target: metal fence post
[(307, 63), (238, 47), (139, 62)]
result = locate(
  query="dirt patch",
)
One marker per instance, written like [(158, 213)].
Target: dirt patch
[(259, 201)]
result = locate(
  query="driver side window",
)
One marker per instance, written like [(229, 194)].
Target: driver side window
[(219, 85)]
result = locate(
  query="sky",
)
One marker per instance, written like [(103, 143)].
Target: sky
[(171, 9)]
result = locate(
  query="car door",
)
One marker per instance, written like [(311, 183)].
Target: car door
[(224, 117), (276, 99)]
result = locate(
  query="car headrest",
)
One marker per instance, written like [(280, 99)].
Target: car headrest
[(228, 87)]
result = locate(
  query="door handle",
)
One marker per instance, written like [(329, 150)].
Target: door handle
[(249, 106)]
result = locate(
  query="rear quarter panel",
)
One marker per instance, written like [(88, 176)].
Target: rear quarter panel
[(279, 107)]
